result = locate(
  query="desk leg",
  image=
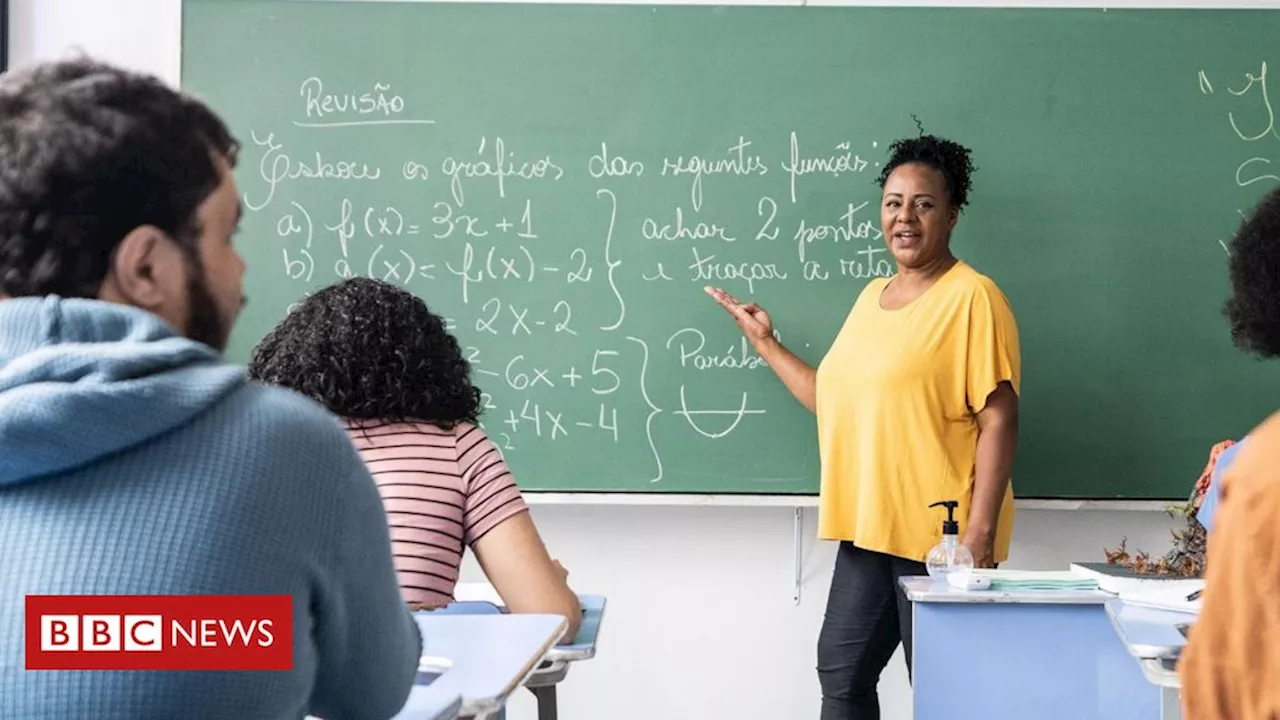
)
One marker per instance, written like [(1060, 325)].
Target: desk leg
[(799, 559), (546, 696), (1170, 704)]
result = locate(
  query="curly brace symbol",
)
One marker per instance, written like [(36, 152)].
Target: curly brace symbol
[(654, 410)]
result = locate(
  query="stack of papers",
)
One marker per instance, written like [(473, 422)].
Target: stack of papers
[(1119, 580), (1172, 597), (1038, 580)]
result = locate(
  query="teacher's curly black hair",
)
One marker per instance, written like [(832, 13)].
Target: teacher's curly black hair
[(1254, 307), (368, 350), (946, 156)]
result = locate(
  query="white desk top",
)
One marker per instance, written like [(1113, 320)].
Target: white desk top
[(581, 647), (487, 656), (928, 590), (1148, 633), (1151, 636), (441, 700)]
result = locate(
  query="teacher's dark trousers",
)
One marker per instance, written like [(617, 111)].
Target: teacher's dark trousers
[(868, 615)]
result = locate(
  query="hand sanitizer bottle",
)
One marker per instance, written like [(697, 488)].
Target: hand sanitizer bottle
[(949, 556)]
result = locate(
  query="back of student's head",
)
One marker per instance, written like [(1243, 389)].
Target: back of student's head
[(368, 350), (88, 153), (1253, 309)]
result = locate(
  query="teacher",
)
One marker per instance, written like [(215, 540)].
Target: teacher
[(916, 402)]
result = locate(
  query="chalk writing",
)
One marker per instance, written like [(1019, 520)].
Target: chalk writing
[(611, 265), (1253, 122), (845, 231), (652, 230), (552, 424), (546, 287), (276, 167), (767, 230), (871, 262), (495, 312), (1249, 172), (352, 109), (503, 167), (654, 410), (659, 274), (842, 161), (289, 224), (1259, 83), (602, 164), (692, 342), (739, 162), (737, 414), (707, 269)]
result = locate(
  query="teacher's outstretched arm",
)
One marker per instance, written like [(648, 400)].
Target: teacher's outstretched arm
[(799, 376)]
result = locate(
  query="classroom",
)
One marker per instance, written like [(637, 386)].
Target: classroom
[(627, 154)]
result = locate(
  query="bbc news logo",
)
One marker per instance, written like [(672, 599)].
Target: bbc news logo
[(159, 632)]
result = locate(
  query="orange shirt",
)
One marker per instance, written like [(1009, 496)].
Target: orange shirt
[(1230, 668)]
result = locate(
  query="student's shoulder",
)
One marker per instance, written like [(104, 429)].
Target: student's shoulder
[(469, 438)]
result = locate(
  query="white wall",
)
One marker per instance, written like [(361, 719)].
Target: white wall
[(701, 622)]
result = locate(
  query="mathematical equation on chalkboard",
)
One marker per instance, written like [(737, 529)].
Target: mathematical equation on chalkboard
[(511, 278)]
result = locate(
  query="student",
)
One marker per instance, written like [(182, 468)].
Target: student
[(916, 402), (132, 459), (1213, 493), (376, 356), (1230, 668)]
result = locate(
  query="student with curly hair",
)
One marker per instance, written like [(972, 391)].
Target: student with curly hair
[(916, 402), (1230, 666), (377, 357)]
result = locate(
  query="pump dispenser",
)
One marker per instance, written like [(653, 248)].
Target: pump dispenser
[(949, 556)]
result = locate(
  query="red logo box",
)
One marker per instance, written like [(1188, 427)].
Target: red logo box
[(159, 632)]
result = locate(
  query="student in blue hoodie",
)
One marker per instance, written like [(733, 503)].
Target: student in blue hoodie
[(133, 460)]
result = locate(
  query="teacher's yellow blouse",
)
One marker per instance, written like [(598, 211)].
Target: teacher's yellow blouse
[(897, 398)]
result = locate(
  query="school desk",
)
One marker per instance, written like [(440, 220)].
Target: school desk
[(436, 697), (481, 598), (1152, 637), (485, 657), (1048, 655)]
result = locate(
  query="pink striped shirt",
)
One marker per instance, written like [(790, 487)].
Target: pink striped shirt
[(442, 490)]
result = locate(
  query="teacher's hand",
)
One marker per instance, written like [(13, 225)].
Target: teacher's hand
[(982, 547), (751, 318)]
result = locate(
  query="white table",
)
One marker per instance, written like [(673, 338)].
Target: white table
[(1034, 654), (556, 664), (484, 658), (441, 700), (1152, 637)]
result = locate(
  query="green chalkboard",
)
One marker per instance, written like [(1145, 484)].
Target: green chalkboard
[(561, 180)]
